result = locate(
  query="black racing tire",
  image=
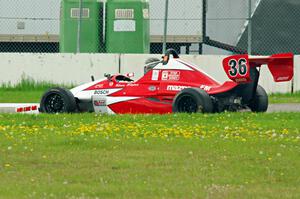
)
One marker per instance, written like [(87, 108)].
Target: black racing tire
[(260, 102), (58, 100), (192, 100)]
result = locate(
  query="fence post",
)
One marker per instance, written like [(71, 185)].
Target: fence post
[(166, 26), (249, 27), (204, 22), (79, 26)]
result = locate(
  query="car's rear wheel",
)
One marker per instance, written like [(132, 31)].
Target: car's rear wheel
[(260, 102), (192, 100), (58, 100)]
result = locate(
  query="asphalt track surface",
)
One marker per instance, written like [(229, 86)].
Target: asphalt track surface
[(11, 108), (284, 108)]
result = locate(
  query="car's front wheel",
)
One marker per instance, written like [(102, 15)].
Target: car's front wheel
[(192, 100), (58, 100)]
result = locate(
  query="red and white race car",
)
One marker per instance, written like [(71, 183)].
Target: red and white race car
[(172, 85)]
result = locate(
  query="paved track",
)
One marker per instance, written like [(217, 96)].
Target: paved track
[(12, 108), (284, 108)]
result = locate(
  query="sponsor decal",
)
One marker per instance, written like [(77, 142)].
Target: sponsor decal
[(99, 86), (111, 83), (164, 75), (26, 109), (133, 85), (120, 85), (170, 75), (282, 78), (238, 67), (176, 87), (239, 80), (100, 102), (155, 74), (101, 92), (152, 88), (205, 88)]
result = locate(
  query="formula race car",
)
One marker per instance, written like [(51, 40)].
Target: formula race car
[(172, 85)]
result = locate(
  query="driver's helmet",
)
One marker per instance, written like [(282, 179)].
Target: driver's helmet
[(150, 64)]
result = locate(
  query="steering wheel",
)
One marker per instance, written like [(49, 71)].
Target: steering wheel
[(167, 55)]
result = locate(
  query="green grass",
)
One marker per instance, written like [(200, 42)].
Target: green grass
[(29, 84), (20, 96), (229, 155), (285, 98), (26, 91)]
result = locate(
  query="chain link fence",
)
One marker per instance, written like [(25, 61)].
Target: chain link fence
[(193, 26), (29, 26), (184, 25)]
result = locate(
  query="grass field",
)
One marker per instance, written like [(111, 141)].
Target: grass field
[(285, 98), (27, 91), (229, 155)]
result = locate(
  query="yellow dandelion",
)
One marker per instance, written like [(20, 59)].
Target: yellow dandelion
[(7, 165)]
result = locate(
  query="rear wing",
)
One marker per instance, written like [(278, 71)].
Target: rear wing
[(281, 66)]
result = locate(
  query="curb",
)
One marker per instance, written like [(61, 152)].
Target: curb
[(32, 108)]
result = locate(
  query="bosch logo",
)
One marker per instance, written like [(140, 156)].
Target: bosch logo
[(101, 92)]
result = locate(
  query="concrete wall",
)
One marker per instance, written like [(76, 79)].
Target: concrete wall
[(78, 68), (59, 68)]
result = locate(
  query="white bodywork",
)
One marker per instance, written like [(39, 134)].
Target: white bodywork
[(99, 98), (78, 91)]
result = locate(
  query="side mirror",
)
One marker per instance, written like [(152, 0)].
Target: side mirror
[(130, 75), (108, 76)]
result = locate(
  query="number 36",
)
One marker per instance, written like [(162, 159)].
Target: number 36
[(238, 67)]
